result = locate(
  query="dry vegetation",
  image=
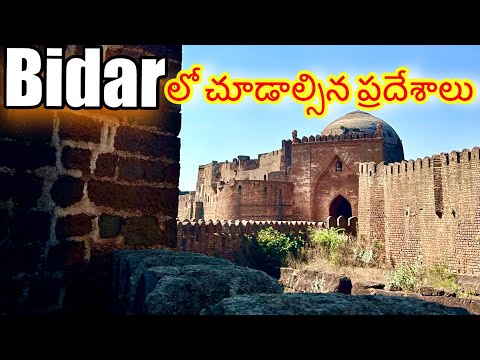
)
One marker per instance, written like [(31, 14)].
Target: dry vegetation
[(334, 251)]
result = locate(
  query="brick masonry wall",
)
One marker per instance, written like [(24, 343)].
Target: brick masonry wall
[(431, 207), (77, 184), (371, 207), (249, 199)]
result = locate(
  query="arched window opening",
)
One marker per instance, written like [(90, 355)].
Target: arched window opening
[(339, 166)]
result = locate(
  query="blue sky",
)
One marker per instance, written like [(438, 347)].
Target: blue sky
[(222, 132)]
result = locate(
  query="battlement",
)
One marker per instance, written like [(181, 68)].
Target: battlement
[(355, 136), (424, 210), (226, 238), (407, 166)]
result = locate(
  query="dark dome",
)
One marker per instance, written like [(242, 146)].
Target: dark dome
[(360, 121)]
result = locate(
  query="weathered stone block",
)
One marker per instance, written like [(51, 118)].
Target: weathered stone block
[(79, 128), (172, 174), (432, 291), (76, 159), (167, 121), (73, 225), (148, 199), (187, 290), (109, 226), (147, 143), (314, 281), (135, 169), (141, 231), (106, 164), (67, 191), (328, 304), (129, 265)]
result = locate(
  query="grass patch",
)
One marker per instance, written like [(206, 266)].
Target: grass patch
[(333, 250), (408, 277)]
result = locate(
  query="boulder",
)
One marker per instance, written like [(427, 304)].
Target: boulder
[(169, 259), (129, 265), (432, 291), (365, 288), (186, 290), (327, 304), (314, 281), (392, 287)]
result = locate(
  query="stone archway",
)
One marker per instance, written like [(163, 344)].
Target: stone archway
[(340, 206)]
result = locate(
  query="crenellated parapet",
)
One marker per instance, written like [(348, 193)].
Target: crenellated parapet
[(351, 136), (226, 238), (424, 210), (452, 159)]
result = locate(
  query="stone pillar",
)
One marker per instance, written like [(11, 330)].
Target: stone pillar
[(77, 184)]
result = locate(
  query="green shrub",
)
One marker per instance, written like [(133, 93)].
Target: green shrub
[(408, 277), (330, 240), (269, 248), (333, 243), (277, 244)]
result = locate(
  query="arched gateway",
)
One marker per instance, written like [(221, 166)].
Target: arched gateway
[(340, 206)]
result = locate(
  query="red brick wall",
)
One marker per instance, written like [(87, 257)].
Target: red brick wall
[(371, 207), (225, 238), (431, 207), (317, 184), (250, 199), (75, 185)]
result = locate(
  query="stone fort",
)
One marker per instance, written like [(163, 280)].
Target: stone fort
[(426, 210), (309, 178)]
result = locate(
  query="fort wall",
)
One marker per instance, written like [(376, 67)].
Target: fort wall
[(430, 207), (226, 238)]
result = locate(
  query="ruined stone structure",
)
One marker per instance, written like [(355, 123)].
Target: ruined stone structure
[(76, 184), (427, 210), (307, 179)]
